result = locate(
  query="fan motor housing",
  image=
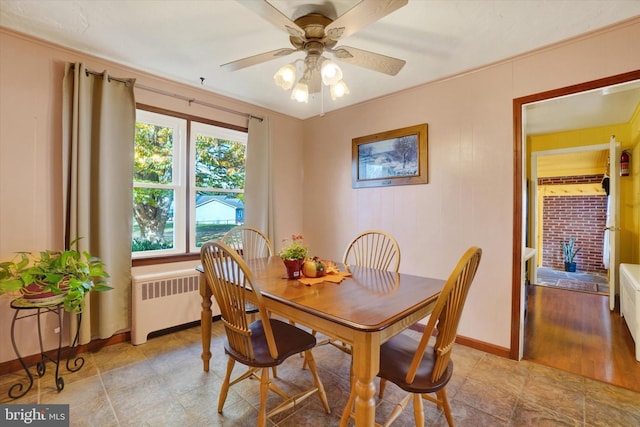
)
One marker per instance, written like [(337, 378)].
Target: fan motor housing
[(313, 25)]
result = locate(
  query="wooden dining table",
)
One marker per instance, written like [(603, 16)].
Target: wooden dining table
[(363, 310)]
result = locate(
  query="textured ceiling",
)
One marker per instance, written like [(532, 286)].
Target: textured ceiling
[(189, 40)]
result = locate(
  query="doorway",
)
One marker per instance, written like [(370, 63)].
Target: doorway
[(592, 307), (569, 215), (523, 125)]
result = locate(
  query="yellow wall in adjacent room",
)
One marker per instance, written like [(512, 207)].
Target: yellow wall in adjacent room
[(627, 135), (634, 137), (580, 138)]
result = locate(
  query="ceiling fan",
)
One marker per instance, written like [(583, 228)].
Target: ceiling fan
[(316, 34)]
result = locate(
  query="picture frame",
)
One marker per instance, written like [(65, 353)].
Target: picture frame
[(396, 157)]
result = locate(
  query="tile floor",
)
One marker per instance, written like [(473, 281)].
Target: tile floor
[(161, 383)]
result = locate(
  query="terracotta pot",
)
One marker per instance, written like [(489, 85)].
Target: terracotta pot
[(294, 267), (34, 292)]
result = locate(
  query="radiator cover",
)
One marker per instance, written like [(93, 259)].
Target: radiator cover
[(630, 300), (164, 300)]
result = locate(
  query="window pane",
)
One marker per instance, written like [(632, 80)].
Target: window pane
[(217, 213), (153, 153), (219, 163), (153, 219)]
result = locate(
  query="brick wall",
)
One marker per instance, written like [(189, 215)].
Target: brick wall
[(583, 217)]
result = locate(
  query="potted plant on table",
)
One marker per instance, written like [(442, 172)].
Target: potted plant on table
[(569, 251), (293, 256), (54, 277)]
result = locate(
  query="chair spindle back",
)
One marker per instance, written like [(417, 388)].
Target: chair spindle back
[(231, 282), (373, 249), (249, 242), (446, 314)]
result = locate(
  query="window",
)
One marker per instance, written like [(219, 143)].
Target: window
[(188, 183)]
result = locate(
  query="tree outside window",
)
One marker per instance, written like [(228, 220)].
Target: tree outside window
[(162, 200)]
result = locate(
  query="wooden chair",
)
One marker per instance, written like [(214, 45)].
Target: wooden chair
[(420, 368), (260, 345), (373, 249), (249, 242)]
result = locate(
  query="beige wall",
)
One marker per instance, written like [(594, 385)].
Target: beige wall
[(468, 200), (31, 74)]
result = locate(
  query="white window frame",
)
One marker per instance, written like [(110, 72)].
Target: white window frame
[(184, 128), (198, 128), (178, 184)]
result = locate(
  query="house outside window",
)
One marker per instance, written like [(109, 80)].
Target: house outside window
[(188, 183)]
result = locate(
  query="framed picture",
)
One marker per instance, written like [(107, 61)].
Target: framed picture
[(396, 157)]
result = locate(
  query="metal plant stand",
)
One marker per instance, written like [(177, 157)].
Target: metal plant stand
[(25, 309)]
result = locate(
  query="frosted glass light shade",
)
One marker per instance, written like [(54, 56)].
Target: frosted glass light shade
[(331, 73), (285, 76), (300, 93), (339, 90)]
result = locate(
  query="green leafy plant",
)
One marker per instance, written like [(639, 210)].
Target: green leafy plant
[(569, 249), (70, 273), (139, 244), (295, 250)]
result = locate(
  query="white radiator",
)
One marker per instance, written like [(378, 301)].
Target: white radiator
[(630, 300), (163, 300)]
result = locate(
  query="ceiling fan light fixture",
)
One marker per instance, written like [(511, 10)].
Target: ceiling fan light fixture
[(300, 92), (285, 76), (331, 73), (339, 90)]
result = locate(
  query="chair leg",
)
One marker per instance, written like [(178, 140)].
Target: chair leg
[(326, 341), (225, 384), (383, 385), (348, 408), (264, 391), (397, 410), (310, 361), (418, 410), (442, 396)]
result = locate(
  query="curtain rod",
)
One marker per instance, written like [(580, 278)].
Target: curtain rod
[(175, 95), (195, 101)]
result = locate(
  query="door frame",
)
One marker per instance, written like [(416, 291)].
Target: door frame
[(520, 197)]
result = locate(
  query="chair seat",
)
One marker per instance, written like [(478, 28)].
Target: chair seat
[(395, 360), (289, 340), (251, 309)]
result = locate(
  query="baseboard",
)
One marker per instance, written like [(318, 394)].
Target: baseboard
[(484, 346), (472, 343)]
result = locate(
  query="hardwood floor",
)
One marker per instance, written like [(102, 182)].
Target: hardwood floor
[(576, 332)]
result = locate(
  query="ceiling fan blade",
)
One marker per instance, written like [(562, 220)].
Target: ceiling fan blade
[(257, 59), (373, 61), (264, 9), (361, 15)]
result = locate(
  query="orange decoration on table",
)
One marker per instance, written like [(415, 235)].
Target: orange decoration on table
[(332, 276)]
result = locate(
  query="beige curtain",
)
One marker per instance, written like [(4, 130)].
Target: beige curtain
[(98, 133), (258, 191)]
